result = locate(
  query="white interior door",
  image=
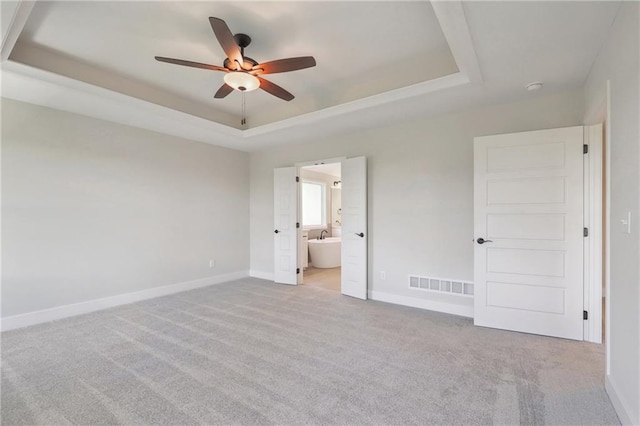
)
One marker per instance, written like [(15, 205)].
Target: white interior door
[(354, 227), (285, 203), (528, 225)]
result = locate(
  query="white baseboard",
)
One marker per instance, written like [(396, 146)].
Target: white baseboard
[(59, 312), (431, 305), (621, 407), (263, 275)]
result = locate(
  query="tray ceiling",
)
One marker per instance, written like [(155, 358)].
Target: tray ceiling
[(361, 48)]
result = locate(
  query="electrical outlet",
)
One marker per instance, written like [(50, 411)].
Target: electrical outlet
[(212, 264), (383, 275)]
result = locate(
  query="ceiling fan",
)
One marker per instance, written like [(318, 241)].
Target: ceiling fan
[(242, 72)]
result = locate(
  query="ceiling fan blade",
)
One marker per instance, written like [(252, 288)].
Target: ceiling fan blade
[(275, 90), (223, 91), (284, 65), (191, 64), (226, 40)]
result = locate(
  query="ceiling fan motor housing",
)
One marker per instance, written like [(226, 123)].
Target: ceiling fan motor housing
[(243, 40), (248, 62)]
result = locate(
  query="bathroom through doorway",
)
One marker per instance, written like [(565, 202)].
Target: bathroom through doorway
[(321, 219)]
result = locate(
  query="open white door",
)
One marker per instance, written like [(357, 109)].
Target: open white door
[(354, 227), (528, 225), (285, 203)]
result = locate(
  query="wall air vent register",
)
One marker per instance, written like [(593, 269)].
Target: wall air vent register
[(441, 285)]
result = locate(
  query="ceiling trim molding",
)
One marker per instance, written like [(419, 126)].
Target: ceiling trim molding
[(33, 85), (455, 28), (446, 82), (39, 58), (18, 20)]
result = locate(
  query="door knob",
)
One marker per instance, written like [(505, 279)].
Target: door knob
[(276, 231), (482, 241), (361, 234)]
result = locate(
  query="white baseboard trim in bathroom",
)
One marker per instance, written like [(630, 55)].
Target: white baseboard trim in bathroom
[(262, 275), (431, 305), (622, 409), (59, 312)]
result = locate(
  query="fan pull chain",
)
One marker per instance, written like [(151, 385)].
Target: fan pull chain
[(243, 122)]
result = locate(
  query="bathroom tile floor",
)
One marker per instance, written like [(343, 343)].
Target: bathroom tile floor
[(326, 278)]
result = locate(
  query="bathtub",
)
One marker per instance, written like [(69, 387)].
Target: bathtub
[(325, 253)]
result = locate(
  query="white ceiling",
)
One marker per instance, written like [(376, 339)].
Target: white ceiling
[(378, 62)]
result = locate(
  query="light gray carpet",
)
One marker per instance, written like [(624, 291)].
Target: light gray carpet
[(253, 352)]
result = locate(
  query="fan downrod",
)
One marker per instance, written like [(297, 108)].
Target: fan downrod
[(243, 41)]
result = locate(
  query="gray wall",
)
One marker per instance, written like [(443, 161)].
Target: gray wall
[(92, 209), (618, 62), (420, 189)]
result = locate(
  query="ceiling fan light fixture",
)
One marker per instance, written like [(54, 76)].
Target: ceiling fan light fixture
[(242, 81), (536, 85)]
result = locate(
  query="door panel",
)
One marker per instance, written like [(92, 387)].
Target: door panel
[(525, 297), (535, 190), (285, 202), (523, 157), (528, 204), (543, 263), (526, 226), (354, 227)]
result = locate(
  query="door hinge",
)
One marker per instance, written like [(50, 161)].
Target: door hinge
[(297, 270), (585, 315), (297, 224), (298, 177), (585, 232), (585, 149)]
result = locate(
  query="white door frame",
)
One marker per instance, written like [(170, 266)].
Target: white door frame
[(593, 210), (601, 112), (318, 162), (607, 212)]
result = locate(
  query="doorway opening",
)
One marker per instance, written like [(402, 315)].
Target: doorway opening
[(320, 214), (289, 249)]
